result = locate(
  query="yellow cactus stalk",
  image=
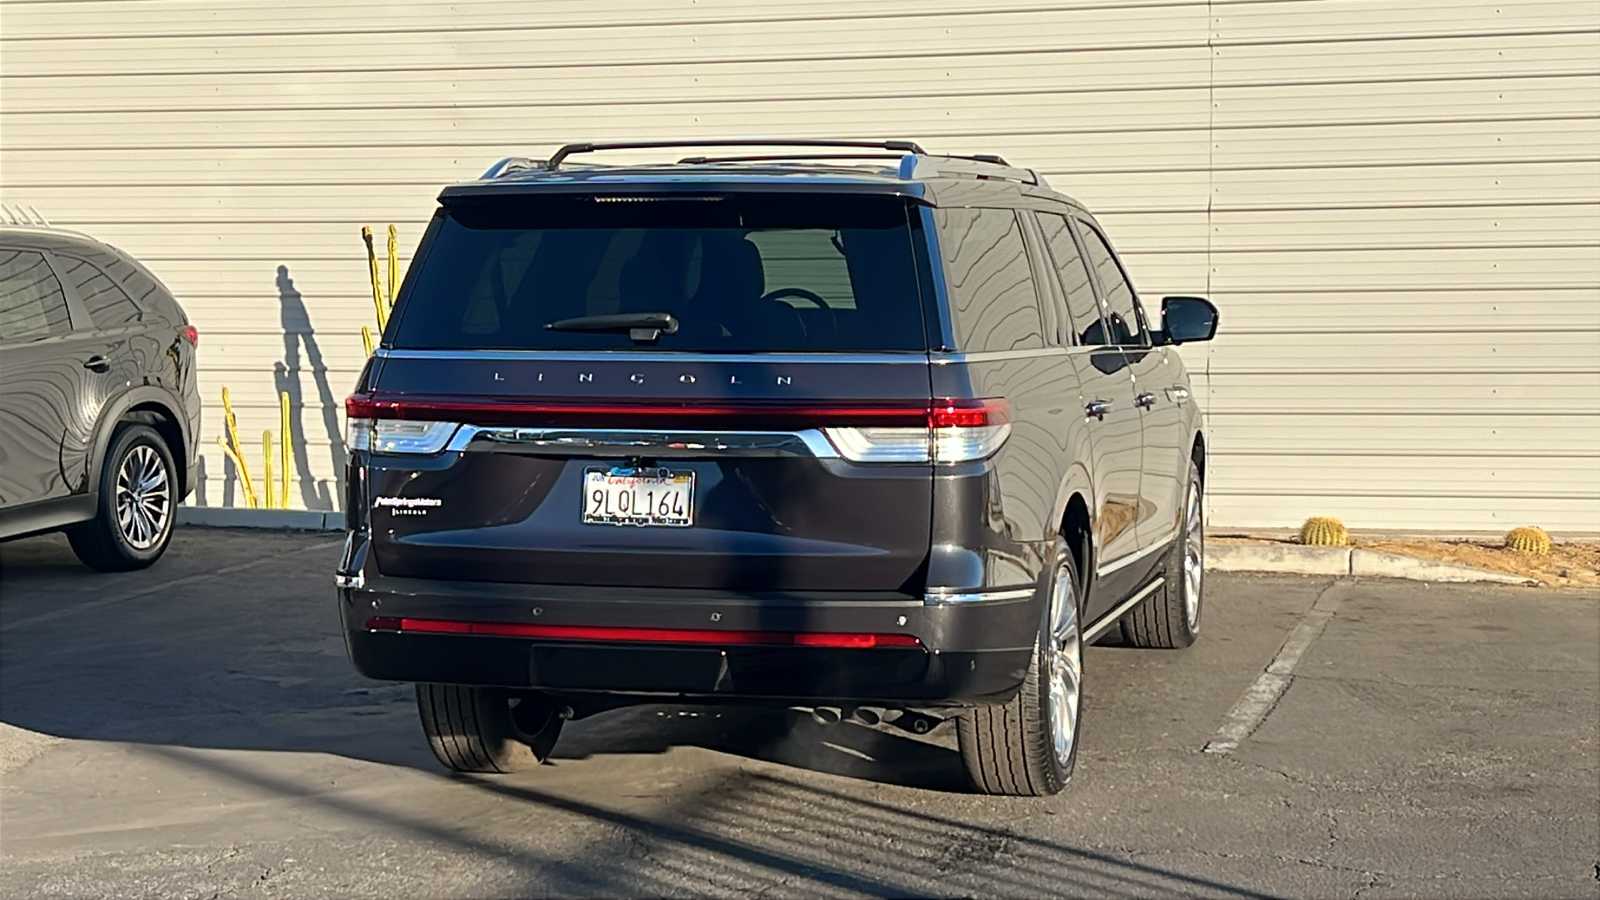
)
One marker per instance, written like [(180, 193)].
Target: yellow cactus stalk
[(1324, 531), (285, 436), (266, 467), (1529, 539), (236, 451), (377, 284), (394, 264), (366, 338), (238, 464)]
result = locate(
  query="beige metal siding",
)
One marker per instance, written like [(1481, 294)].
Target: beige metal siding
[(1396, 204)]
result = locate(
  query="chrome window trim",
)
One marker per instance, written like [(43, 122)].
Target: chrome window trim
[(945, 359), (937, 597), (659, 442)]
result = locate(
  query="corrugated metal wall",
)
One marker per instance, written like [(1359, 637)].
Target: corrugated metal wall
[(1395, 202)]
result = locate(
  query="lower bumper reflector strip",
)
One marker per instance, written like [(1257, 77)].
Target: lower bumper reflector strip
[(642, 635)]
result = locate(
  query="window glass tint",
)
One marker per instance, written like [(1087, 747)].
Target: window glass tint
[(108, 305), (740, 272), (992, 298), (1082, 307), (1122, 314), (31, 302)]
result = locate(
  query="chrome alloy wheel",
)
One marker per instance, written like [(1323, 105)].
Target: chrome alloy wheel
[(1066, 663), (143, 498), (1194, 556)]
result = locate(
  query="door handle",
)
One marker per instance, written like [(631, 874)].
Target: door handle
[(1145, 400), (97, 363), (1097, 409)]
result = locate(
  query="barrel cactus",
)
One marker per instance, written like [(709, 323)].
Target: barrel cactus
[(1324, 531), (1529, 539)]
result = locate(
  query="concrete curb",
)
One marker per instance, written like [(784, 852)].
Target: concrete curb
[(1297, 560), (228, 517)]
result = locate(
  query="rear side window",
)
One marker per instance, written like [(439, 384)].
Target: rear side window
[(1123, 325), (993, 304), (1083, 309), (109, 306), (739, 272), (32, 304)]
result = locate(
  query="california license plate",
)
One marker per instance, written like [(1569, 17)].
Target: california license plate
[(638, 497)]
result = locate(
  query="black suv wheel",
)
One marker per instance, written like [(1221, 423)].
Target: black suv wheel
[(1170, 618), (487, 730), (1028, 747), (138, 489)]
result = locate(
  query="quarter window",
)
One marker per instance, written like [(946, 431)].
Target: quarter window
[(1123, 325), (1082, 307), (993, 302), (32, 304), (109, 306)]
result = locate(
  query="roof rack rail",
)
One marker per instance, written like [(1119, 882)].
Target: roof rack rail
[(510, 163), (779, 157), (554, 162), (984, 167)]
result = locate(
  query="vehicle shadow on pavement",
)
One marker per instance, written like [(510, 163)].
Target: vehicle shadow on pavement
[(757, 834), (255, 661), (782, 736)]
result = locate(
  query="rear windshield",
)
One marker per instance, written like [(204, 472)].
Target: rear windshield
[(738, 273)]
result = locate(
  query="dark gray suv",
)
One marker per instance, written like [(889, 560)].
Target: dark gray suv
[(99, 408), (859, 430)]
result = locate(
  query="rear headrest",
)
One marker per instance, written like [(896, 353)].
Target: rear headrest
[(730, 275), (653, 280)]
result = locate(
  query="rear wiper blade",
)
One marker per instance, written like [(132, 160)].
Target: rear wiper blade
[(639, 326)]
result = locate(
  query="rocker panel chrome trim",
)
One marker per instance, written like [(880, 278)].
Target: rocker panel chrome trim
[(1110, 618)]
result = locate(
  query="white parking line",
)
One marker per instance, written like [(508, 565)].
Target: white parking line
[(1263, 694), (165, 585)]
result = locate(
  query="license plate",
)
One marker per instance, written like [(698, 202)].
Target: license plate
[(638, 497)]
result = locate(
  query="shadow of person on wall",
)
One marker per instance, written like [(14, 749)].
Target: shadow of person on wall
[(297, 331)]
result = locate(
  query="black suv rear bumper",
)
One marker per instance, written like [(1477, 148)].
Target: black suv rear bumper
[(667, 643)]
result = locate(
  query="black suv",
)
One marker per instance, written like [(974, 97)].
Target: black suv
[(861, 430), (98, 404)]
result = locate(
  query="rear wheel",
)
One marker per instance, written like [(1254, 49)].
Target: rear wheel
[(133, 525), (487, 730), (1170, 617), (1028, 747)]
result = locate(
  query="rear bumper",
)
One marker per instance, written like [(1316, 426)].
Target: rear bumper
[(973, 651)]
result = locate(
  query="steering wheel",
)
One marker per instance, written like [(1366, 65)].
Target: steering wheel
[(809, 297)]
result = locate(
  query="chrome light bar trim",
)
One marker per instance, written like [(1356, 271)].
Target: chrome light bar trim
[(676, 357), (937, 597), (611, 442)]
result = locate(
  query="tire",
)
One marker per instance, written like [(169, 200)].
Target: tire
[(1016, 749), (487, 730), (1170, 618), (138, 504)]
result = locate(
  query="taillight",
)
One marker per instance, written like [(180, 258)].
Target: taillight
[(941, 431), (956, 431), (368, 426), (190, 334)]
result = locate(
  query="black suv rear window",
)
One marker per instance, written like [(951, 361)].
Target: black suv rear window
[(739, 272)]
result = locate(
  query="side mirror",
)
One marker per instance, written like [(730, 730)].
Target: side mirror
[(1185, 319)]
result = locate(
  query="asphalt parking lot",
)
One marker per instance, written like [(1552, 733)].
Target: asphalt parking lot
[(195, 731)]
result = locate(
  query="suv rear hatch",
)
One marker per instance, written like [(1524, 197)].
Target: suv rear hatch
[(719, 391)]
